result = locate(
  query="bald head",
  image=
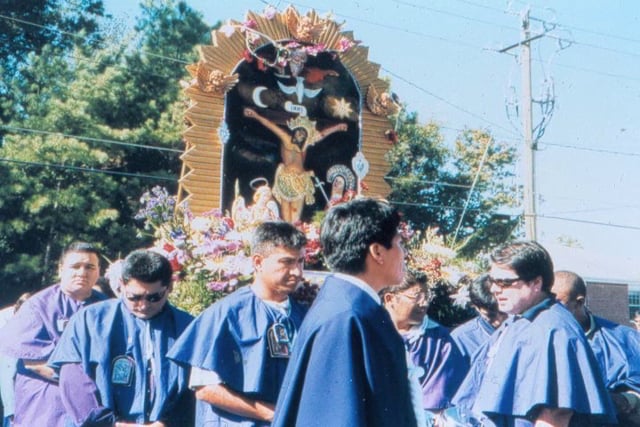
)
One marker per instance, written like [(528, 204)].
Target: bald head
[(571, 291), (568, 285)]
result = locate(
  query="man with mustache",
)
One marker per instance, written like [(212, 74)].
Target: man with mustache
[(239, 347)]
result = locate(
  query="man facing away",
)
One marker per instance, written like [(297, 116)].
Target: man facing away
[(472, 334), (32, 334), (348, 366), (239, 347), (111, 358), (616, 347), (433, 357), (537, 369)]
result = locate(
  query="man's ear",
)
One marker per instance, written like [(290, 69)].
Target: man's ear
[(257, 261), (376, 252), (387, 298), (581, 300)]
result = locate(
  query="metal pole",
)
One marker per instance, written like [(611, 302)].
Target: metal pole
[(527, 128)]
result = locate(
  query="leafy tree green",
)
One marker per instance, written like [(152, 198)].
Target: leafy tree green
[(432, 184), (123, 102), (31, 28)]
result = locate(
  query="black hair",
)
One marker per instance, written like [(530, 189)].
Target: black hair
[(146, 266), (528, 259), (80, 247), (575, 283), (411, 279), (272, 234), (350, 228), (480, 294)]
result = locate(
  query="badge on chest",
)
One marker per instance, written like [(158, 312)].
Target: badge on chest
[(123, 369), (279, 342)]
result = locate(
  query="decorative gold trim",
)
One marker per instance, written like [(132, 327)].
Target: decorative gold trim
[(200, 180)]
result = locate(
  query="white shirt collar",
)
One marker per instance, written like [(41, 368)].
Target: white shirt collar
[(360, 284)]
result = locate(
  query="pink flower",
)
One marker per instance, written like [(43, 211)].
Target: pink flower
[(249, 23), (269, 12), (345, 44), (217, 285)]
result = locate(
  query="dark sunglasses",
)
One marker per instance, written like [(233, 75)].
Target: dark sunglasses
[(149, 297), (504, 283)]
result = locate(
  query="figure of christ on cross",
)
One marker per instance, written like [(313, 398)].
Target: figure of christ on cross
[(293, 185)]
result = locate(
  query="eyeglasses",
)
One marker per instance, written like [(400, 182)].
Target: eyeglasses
[(148, 297), (504, 283), (418, 297)]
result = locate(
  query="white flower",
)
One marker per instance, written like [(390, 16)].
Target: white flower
[(227, 29)]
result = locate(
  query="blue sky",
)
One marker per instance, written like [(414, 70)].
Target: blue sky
[(443, 62)]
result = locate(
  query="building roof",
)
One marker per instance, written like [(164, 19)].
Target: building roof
[(594, 266)]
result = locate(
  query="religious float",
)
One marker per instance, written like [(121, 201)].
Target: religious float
[(287, 112), (286, 118)]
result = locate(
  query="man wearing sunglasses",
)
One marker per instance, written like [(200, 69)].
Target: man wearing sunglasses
[(112, 357), (537, 369), (238, 348)]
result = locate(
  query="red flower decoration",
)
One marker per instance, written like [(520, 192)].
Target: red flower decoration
[(392, 136)]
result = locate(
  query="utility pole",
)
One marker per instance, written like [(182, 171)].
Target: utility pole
[(527, 127)]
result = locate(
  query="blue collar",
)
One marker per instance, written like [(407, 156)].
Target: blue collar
[(532, 312)]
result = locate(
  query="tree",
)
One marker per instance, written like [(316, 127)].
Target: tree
[(433, 184), (29, 28), (91, 131)]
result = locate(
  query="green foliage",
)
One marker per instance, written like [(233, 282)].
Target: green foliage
[(431, 183), (57, 187)]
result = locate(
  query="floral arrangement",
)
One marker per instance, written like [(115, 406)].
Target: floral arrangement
[(209, 255), (447, 274), (305, 32)]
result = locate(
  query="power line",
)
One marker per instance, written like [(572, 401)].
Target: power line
[(594, 46), (451, 104), (76, 37), (596, 150), (86, 138), (456, 15), (586, 30), (589, 70), (396, 28), (440, 183), (583, 221), (90, 170)]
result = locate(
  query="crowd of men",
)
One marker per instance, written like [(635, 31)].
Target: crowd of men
[(364, 354)]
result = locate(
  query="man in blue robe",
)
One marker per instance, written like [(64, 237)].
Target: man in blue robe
[(348, 366), (239, 347), (616, 347), (431, 351), (111, 358), (32, 334), (471, 335), (538, 366)]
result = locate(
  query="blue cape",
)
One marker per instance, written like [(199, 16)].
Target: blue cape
[(348, 366), (471, 335), (543, 359), (120, 334), (617, 349), (230, 338)]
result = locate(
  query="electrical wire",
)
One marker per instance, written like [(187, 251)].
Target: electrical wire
[(90, 170), (86, 138)]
